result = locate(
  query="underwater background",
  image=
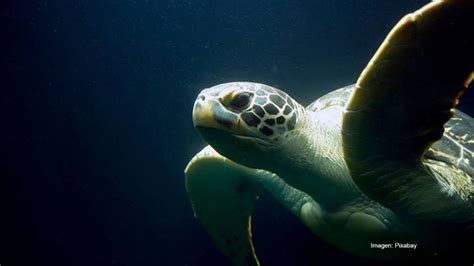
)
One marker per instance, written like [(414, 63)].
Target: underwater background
[(95, 108)]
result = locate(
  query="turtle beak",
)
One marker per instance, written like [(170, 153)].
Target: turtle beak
[(209, 112)]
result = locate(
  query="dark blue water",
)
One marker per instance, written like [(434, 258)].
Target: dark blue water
[(96, 118)]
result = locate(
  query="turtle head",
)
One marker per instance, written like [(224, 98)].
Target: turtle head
[(244, 120)]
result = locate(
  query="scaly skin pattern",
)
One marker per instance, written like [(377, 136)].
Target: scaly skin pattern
[(312, 161), (365, 163), (307, 158)]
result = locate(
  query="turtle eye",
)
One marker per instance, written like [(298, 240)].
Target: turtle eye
[(240, 100)]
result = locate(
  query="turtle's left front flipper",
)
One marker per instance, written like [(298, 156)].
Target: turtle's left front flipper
[(402, 100)]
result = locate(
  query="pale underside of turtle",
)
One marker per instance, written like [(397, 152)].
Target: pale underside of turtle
[(402, 148)]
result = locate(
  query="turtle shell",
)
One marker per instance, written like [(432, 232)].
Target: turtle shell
[(338, 97), (456, 147)]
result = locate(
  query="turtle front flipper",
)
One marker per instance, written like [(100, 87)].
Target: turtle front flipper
[(223, 194), (399, 106), (223, 197)]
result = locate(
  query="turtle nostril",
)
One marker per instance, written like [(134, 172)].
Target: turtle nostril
[(202, 97)]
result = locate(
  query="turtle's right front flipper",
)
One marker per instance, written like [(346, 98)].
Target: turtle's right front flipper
[(223, 198), (223, 194)]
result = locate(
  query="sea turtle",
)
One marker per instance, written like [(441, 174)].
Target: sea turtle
[(387, 159)]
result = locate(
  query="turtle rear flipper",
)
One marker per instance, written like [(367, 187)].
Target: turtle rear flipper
[(402, 100)]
